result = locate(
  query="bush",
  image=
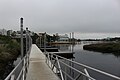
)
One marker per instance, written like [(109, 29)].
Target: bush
[(104, 47), (9, 51)]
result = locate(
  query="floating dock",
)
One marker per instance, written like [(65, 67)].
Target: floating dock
[(66, 54), (49, 49)]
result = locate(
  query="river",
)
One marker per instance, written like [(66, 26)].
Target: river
[(106, 62)]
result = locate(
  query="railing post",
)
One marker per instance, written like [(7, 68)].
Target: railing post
[(51, 60), (12, 77), (86, 72), (29, 40), (48, 58), (65, 71), (26, 40), (40, 42), (23, 76), (27, 47), (59, 68), (45, 42)]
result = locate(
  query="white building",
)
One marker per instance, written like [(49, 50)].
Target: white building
[(63, 38), (9, 32)]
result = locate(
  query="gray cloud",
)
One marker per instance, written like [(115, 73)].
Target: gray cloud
[(61, 15)]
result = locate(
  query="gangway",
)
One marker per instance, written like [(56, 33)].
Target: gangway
[(58, 64)]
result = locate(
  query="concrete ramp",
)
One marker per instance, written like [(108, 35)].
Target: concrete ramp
[(38, 69)]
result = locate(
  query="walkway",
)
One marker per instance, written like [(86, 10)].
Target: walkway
[(38, 69)]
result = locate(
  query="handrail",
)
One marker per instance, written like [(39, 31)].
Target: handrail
[(21, 71), (23, 65), (77, 70), (51, 57), (60, 68), (91, 68), (14, 69)]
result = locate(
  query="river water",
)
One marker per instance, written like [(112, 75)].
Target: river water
[(106, 62)]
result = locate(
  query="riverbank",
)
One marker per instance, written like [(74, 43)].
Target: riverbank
[(110, 47)]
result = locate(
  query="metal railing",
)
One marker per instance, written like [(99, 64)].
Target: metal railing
[(20, 71), (66, 70)]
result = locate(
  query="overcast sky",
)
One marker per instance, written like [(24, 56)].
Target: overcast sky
[(61, 16)]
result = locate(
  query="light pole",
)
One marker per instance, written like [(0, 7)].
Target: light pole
[(21, 25), (26, 40)]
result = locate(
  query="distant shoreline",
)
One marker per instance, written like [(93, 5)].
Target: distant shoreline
[(110, 47)]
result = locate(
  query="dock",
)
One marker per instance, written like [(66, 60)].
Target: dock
[(49, 49), (35, 65), (38, 69), (66, 54)]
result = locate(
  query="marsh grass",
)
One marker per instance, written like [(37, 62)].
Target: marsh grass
[(110, 47)]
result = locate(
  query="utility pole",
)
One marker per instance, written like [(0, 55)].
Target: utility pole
[(21, 25)]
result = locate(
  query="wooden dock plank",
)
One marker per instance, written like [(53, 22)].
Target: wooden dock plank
[(38, 69)]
